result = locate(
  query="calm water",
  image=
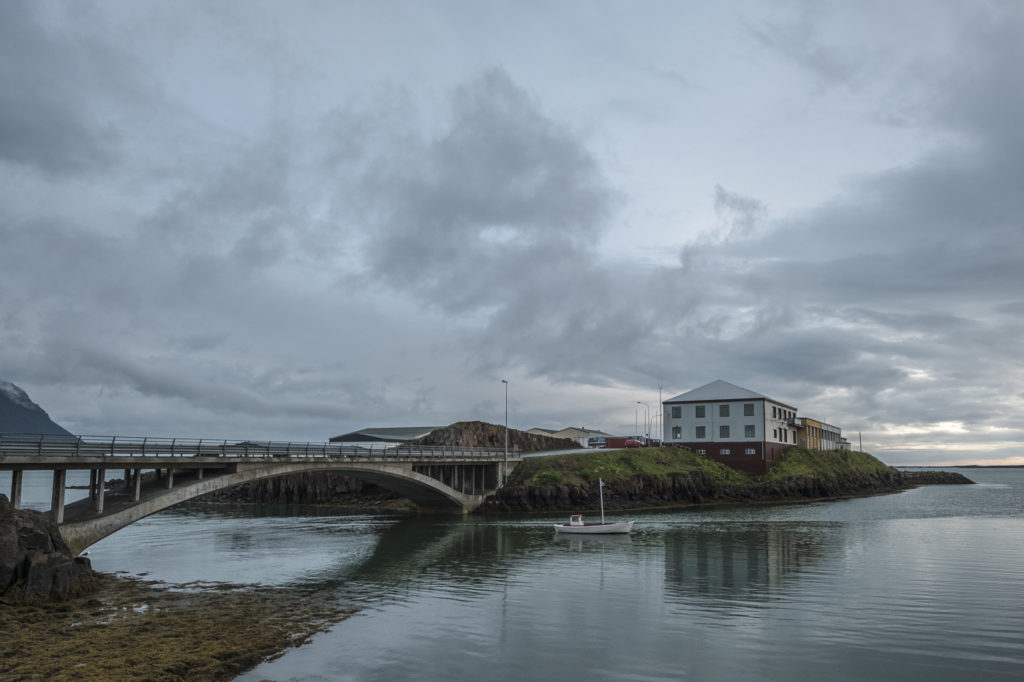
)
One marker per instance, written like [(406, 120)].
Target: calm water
[(923, 585)]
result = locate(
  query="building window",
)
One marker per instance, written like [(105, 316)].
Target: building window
[(750, 451), (775, 412), (677, 433), (775, 434), (677, 412), (702, 451), (723, 410), (748, 409), (748, 431), (698, 411), (701, 432), (723, 431), (725, 451)]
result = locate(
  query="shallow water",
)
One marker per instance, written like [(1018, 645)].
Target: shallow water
[(922, 585)]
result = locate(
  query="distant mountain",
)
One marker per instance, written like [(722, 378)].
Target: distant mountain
[(18, 414)]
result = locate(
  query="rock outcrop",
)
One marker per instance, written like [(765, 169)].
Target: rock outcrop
[(483, 435), (34, 561), (697, 487), (935, 478)]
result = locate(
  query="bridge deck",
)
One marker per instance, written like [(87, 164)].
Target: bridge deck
[(103, 446)]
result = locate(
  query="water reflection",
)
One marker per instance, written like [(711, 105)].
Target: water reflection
[(751, 562), (581, 543)]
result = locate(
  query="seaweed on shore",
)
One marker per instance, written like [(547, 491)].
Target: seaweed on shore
[(128, 628)]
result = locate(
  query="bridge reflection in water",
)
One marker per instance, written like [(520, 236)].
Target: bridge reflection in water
[(433, 477)]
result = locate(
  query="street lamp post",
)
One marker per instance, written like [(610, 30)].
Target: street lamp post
[(504, 471), (647, 414)]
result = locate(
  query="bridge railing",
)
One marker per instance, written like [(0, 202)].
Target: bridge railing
[(102, 446)]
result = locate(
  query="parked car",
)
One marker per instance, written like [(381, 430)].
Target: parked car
[(633, 443)]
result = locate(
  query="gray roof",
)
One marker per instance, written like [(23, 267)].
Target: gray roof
[(720, 390), (390, 434)]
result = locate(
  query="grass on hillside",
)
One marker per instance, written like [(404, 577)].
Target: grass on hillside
[(813, 463), (586, 467)]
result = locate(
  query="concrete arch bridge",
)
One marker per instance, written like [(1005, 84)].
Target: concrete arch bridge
[(435, 478)]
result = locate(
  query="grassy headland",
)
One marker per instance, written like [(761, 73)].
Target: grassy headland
[(671, 476)]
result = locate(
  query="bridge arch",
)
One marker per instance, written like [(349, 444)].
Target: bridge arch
[(84, 527)]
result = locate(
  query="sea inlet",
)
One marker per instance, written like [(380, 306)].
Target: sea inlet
[(925, 584)]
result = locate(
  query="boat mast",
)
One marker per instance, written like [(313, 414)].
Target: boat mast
[(600, 486)]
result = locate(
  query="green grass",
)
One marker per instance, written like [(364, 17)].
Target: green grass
[(586, 467), (814, 463)]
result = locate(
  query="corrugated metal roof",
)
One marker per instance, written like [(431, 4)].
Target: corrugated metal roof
[(385, 433), (579, 432), (720, 390)]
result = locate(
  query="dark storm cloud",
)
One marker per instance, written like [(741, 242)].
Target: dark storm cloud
[(47, 121), (374, 254), (500, 191)]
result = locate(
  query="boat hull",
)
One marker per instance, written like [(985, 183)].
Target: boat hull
[(595, 528)]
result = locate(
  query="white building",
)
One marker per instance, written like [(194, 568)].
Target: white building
[(730, 424)]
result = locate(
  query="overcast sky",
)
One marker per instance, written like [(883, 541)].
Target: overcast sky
[(295, 219)]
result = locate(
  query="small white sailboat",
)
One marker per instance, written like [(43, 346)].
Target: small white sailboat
[(576, 524)]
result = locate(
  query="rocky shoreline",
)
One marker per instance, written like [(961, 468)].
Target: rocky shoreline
[(936, 477), (126, 629), (687, 489), (60, 620), (34, 561)]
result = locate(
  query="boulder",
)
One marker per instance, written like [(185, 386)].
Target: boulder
[(34, 560)]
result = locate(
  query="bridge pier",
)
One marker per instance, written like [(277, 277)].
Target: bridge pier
[(16, 483), (60, 477), (169, 482), (98, 488)]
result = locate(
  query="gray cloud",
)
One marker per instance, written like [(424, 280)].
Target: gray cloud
[(47, 118), (384, 254)]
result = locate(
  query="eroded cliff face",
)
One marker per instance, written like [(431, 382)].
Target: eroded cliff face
[(484, 435), (34, 561), (682, 489), (307, 488)]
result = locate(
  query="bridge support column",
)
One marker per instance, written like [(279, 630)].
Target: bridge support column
[(136, 485), (169, 481), (16, 482), (60, 477), (127, 479), (101, 489), (199, 474)]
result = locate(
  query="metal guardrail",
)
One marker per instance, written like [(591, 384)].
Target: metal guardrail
[(104, 446)]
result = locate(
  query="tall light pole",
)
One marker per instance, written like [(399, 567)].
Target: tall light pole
[(647, 416), (661, 417), (504, 471)]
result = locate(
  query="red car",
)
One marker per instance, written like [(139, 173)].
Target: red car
[(633, 443)]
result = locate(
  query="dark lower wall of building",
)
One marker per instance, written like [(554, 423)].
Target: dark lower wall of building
[(736, 455)]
